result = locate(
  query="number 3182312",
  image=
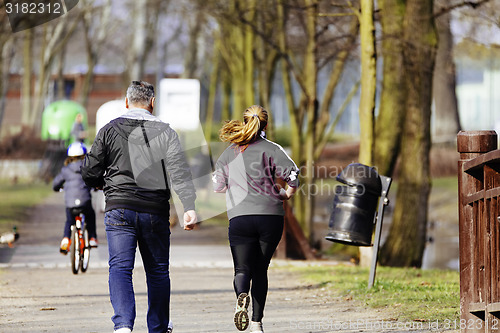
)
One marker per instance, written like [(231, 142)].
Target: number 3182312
[(34, 8), (470, 324)]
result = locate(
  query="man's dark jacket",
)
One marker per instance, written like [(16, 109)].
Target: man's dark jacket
[(134, 158)]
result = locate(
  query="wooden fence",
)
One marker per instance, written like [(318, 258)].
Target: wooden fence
[(479, 231)]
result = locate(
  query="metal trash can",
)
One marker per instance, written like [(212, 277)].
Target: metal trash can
[(355, 205)]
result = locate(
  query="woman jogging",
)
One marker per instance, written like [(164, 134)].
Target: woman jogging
[(247, 172)]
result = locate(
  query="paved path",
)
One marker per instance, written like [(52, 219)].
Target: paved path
[(39, 293)]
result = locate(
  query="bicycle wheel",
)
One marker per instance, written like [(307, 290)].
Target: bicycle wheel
[(74, 251), (86, 251)]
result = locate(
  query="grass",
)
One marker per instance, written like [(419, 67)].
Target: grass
[(446, 183), (408, 294), (16, 199)]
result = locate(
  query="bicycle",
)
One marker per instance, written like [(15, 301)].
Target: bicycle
[(79, 245)]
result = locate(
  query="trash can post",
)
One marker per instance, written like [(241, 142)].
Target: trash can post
[(354, 213), (384, 201)]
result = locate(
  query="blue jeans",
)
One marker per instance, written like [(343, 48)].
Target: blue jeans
[(125, 229)]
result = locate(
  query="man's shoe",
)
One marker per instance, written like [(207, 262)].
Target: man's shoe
[(93, 242), (170, 327), (256, 327), (123, 330), (64, 245), (241, 320)]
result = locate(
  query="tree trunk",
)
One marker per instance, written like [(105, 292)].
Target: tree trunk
[(42, 79), (238, 94), (389, 123), (266, 71), (237, 55), (295, 124), (27, 77), (191, 60), (59, 93), (249, 57), (368, 82), (310, 74), (447, 121), (136, 52), (7, 54), (367, 99), (295, 128), (406, 240), (88, 79), (93, 42), (212, 92), (226, 97)]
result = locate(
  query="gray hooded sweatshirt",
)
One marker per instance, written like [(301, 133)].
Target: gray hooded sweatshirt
[(250, 178)]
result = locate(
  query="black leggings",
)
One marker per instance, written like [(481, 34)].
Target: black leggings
[(253, 240)]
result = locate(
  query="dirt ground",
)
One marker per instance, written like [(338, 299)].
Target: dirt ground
[(39, 293)]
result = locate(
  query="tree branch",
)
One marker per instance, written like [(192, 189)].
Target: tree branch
[(472, 4), (336, 14)]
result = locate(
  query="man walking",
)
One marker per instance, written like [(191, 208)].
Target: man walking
[(137, 159)]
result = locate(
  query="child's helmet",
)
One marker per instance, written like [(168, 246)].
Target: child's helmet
[(77, 149)]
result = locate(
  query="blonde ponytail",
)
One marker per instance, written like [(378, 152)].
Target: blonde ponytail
[(242, 133)]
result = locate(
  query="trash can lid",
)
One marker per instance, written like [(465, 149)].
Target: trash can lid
[(356, 174)]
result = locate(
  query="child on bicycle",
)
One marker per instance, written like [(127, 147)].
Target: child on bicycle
[(76, 194)]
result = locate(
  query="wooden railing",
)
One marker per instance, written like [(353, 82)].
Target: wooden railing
[(479, 231)]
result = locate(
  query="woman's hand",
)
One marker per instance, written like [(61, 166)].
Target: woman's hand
[(288, 193), (223, 190)]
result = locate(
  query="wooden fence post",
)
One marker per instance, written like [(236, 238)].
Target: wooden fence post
[(470, 145)]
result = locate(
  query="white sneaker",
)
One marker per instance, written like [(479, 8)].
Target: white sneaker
[(93, 242), (241, 315), (123, 330), (170, 327), (64, 247), (256, 327)]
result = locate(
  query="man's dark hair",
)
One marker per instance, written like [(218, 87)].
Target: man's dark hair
[(140, 93)]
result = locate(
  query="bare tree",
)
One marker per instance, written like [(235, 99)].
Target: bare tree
[(236, 50), (51, 39), (212, 90), (447, 120), (96, 22), (7, 53), (300, 38), (136, 58), (310, 123), (164, 41), (196, 21), (144, 24), (266, 60)]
